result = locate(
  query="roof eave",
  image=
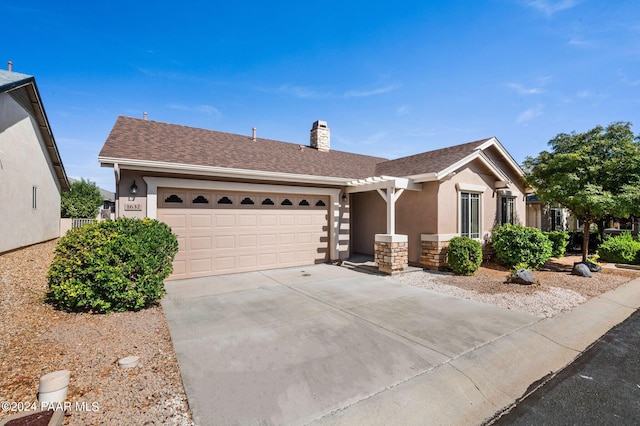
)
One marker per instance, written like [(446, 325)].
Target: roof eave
[(29, 84), (225, 172), (505, 154), (444, 173)]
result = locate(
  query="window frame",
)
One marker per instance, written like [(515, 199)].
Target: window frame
[(470, 196), (504, 202)]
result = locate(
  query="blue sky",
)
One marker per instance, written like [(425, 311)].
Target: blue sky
[(390, 78)]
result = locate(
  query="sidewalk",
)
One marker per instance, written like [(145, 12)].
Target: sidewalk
[(473, 387)]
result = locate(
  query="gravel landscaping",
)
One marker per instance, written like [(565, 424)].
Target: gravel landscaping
[(38, 339), (558, 290)]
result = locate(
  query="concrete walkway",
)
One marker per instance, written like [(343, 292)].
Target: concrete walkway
[(328, 345)]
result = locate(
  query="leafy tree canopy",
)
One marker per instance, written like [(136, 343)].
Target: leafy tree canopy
[(82, 200), (593, 174)]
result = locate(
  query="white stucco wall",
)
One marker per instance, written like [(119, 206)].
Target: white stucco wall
[(23, 165)]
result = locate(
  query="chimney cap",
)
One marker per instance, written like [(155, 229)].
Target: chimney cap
[(319, 124)]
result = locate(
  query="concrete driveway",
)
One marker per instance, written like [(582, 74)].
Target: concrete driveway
[(318, 343)]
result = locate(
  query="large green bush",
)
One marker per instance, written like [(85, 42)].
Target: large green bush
[(112, 266), (464, 255), (520, 245), (620, 249), (559, 241)]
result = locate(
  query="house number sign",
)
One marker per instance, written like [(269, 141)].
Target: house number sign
[(133, 207)]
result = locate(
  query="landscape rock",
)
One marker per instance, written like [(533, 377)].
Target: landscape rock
[(593, 267), (581, 270), (524, 277)]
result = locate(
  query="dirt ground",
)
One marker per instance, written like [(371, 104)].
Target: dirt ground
[(37, 339)]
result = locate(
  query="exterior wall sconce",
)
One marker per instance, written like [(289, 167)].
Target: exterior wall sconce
[(344, 198), (133, 189)]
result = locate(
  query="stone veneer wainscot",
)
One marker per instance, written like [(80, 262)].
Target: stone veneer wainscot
[(391, 253)]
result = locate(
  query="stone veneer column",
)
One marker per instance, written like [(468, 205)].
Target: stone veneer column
[(391, 253), (433, 252)]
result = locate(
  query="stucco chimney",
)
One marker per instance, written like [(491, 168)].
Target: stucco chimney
[(10, 66), (320, 136), (144, 115), (253, 137)]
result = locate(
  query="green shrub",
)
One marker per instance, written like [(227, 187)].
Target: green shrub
[(559, 241), (112, 266), (620, 249), (465, 255), (517, 244)]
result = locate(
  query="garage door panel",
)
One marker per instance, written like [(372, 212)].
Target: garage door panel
[(284, 239), (176, 221), (267, 260), (320, 219), (268, 219), (247, 220), (225, 242), (248, 241), (268, 240), (200, 243), (304, 237), (247, 261), (287, 219), (304, 219), (287, 257), (225, 220), (200, 221), (219, 238), (182, 243), (200, 265)]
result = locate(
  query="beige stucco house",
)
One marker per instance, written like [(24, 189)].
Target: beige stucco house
[(243, 203), (32, 176)]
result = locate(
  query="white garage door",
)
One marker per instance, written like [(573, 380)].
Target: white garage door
[(222, 232)]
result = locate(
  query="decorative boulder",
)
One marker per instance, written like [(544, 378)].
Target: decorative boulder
[(581, 270), (523, 276), (593, 267)]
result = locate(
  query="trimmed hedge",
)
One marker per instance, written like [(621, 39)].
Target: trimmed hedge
[(464, 255), (112, 266), (559, 241), (520, 245), (620, 249)]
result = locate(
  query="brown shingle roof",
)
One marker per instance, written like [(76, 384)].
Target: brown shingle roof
[(147, 140), (427, 162)]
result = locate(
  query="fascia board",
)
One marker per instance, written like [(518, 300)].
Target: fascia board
[(47, 134), (478, 154), (156, 166), (500, 174), (424, 177), (385, 182), (510, 160)]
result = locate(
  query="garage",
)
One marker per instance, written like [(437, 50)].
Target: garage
[(222, 232)]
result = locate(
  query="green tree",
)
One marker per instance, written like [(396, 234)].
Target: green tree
[(593, 174), (82, 200)]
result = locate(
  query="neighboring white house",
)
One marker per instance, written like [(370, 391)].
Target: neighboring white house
[(32, 176)]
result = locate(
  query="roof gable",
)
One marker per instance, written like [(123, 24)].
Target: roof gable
[(437, 164), (428, 162)]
